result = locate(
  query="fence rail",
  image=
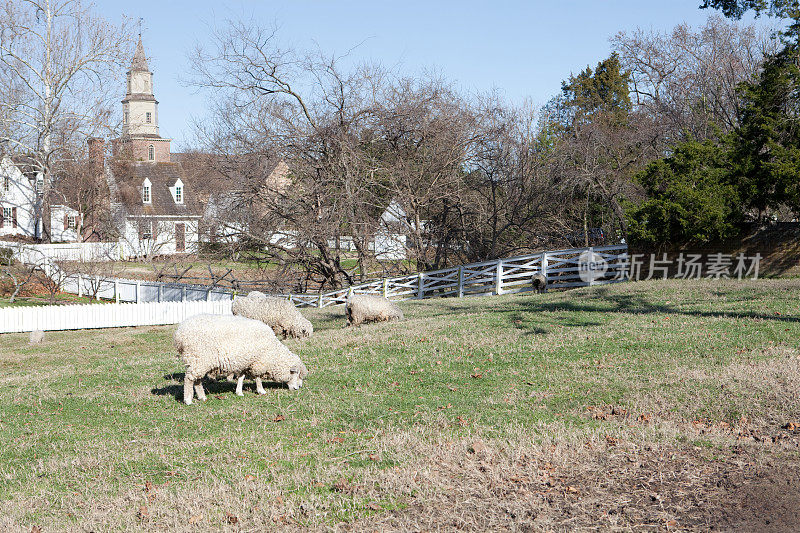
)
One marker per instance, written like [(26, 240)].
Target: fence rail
[(91, 316), (500, 276), (74, 251)]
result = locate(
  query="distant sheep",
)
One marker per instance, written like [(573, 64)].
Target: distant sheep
[(539, 282), (36, 337), (234, 345), (278, 313), (362, 308)]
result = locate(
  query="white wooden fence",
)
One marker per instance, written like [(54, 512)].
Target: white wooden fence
[(74, 251), (90, 316), (500, 276)]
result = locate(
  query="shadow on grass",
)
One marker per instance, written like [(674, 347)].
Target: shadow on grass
[(601, 301), (212, 386)]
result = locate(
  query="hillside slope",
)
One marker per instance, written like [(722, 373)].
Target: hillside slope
[(658, 404)]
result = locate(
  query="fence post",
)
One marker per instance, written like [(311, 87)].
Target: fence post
[(159, 292), (319, 300), (385, 288), (97, 284), (116, 290), (138, 290), (80, 286), (543, 266), (208, 295), (183, 294), (421, 285), (349, 292), (591, 260), (460, 281), (498, 289)]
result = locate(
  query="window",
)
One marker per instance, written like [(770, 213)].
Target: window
[(125, 120), (72, 222), (148, 117), (6, 216), (39, 184), (146, 194), (178, 195), (147, 231), (151, 153), (6, 184)]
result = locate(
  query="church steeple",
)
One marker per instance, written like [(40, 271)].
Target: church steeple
[(140, 112), (139, 60)]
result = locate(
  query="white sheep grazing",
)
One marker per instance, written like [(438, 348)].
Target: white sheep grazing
[(278, 313), (363, 308), (234, 345)]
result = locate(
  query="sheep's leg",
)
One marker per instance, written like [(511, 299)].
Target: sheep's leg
[(198, 389), (239, 385), (188, 390), (260, 386)]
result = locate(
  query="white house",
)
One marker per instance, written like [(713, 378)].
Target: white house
[(64, 222), (18, 200)]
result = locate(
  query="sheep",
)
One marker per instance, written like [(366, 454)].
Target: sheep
[(278, 313), (36, 337), (234, 345), (256, 294), (363, 308), (539, 282)]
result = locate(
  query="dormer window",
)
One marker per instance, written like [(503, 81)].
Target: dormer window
[(151, 152), (177, 191), (148, 117), (146, 197), (6, 184)]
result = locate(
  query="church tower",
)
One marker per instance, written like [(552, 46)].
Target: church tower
[(140, 138)]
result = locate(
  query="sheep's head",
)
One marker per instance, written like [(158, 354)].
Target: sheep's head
[(296, 375)]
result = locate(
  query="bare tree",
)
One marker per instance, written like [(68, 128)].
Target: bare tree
[(57, 60), (687, 79)]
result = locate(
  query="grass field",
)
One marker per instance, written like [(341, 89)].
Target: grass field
[(649, 406)]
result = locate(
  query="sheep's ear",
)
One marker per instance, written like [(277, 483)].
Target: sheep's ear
[(294, 370)]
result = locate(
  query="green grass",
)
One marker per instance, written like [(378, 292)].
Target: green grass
[(90, 419)]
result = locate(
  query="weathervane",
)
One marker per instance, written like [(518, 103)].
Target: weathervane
[(140, 27)]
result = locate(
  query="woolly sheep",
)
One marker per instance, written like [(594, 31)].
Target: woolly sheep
[(36, 337), (539, 282), (278, 313), (363, 308), (234, 345), (256, 294)]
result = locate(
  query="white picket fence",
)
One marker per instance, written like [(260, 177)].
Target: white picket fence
[(91, 316), (74, 251), (500, 276)]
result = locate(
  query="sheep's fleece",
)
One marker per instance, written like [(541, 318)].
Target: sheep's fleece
[(278, 313), (234, 345), (370, 308)]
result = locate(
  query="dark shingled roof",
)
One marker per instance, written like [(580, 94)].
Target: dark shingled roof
[(139, 60), (130, 176)]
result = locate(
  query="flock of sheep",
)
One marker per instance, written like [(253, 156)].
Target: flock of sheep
[(246, 345)]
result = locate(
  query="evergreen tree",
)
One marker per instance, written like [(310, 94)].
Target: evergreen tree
[(689, 198), (601, 94), (766, 147)]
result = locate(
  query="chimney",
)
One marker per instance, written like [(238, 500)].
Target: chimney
[(97, 151)]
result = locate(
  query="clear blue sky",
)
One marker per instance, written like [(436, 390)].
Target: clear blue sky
[(523, 48)]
